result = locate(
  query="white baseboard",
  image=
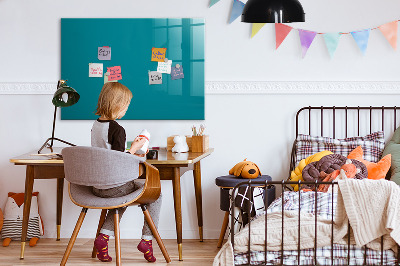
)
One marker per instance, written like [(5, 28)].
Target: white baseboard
[(247, 87)]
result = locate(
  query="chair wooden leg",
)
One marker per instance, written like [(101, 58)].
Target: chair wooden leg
[(117, 239), (101, 222), (223, 229), (154, 230), (73, 237)]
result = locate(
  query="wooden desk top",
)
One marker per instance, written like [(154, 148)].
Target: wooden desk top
[(164, 157)]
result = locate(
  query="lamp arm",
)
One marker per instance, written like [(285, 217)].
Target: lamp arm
[(54, 126)]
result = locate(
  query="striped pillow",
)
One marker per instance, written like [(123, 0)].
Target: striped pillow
[(372, 145)]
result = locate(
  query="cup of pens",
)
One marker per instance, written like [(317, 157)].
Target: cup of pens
[(199, 140)]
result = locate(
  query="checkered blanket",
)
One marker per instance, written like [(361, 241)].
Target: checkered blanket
[(323, 205)]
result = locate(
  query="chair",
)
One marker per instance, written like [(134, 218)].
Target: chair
[(85, 167)]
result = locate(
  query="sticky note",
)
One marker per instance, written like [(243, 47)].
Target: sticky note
[(95, 70), (115, 73), (155, 77), (158, 54), (106, 75), (164, 67), (104, 53), (177, 72)]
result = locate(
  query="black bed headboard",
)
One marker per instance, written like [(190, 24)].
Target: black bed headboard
[(343, 122)]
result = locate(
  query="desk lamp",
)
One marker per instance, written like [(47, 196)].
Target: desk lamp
[(272, 11), (64, 96)]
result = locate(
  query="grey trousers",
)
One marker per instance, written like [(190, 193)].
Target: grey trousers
[(153, 208)]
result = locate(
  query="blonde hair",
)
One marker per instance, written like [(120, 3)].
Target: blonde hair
[(113, 98)]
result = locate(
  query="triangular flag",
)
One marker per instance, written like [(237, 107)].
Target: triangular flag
[(390, 32), (255, 28), (361, 37), (332, 41), (237, 9), (306, 39), (213, 2), (281, 31)]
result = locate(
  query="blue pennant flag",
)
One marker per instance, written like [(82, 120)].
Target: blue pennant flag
[(237, 9), (213, 2), (361, 38), (332, 41)]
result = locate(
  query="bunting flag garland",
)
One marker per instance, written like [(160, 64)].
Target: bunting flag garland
[(256, 28), (237, 9), (332, 41), (213, 2), (389, 30), (281, 31), (361, 37), (306, 39)]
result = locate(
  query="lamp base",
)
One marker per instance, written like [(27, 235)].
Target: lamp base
[(50, 146)]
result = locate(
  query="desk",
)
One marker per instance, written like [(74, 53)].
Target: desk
[(170, 165)]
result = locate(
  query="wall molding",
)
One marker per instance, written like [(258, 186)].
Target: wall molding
[(247, 87)]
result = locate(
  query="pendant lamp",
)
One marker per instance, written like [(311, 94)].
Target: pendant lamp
[(63, 97), (272, 11)]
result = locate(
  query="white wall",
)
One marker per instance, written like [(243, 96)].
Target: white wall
[(258, 127)]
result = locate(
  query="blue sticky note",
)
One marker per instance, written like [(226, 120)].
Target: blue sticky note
[(177, 72)]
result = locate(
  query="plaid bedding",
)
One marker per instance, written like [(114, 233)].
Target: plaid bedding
[(323, 207), (372, 145)]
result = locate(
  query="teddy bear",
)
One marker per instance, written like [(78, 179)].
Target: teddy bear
[(13, 215), (180, 144), (245, 169)]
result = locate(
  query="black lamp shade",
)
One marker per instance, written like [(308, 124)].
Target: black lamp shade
[(65, 96), (273, 11)]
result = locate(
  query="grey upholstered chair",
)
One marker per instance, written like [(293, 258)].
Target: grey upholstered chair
[(85, 167)]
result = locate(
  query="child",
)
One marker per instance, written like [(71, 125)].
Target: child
[(114, 100)]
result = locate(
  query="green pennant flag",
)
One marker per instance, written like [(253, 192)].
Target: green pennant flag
[(213, 2)]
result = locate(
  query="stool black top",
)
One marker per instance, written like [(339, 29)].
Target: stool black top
[(230, 181)]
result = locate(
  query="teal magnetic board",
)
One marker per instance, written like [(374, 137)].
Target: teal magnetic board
[(131, 41)]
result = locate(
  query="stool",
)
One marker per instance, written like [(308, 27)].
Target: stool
[(226, 183)]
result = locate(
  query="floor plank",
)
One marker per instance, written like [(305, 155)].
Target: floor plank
[(50, 252)]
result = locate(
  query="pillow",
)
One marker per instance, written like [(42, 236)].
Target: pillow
[(393, 148), (372, 144), (296, 174), (375, 170)]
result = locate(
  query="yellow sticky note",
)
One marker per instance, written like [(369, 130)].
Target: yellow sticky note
[(158, 54)]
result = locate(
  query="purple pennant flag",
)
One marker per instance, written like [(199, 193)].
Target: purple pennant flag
[(237, 9), (306, 39)]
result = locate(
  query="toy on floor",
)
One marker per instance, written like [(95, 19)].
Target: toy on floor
[(245, 169), (1, 219), (13, 215)]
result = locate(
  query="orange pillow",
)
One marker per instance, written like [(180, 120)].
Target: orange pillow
[(375, 170)]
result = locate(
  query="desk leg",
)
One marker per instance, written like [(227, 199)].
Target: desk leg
[(60, 190), (27, 206), (199, 204), (176, 182)]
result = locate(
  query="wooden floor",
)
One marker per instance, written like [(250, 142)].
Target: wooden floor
[(50, 252)]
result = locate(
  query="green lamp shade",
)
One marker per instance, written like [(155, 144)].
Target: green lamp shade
[(65, 96)]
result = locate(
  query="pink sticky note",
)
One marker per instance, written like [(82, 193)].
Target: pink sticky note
[(115, 73)]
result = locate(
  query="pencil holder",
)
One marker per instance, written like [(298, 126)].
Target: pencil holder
[(200, 143)]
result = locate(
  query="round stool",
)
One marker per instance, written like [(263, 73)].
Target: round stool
[(228, 182)]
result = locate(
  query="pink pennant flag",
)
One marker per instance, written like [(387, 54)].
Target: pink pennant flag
[(306, 39), (281, 31), (389, 30)]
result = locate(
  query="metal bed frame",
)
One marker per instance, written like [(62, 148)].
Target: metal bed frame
[(283, 184)]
